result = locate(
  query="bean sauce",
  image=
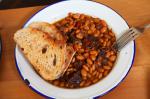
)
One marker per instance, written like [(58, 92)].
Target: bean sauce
[(95, 57)]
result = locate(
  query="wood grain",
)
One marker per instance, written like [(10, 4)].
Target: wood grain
[(135, 86)]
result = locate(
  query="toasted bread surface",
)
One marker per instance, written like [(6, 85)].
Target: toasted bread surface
[(46, 56)]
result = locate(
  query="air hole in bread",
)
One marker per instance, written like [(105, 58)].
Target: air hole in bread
[(54, 39), (54, 60), (22, 49), (44, 50), (38, 69), (60, 47), (65, 60), (69, 52)]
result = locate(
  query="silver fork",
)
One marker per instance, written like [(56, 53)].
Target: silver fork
[(129, 35)]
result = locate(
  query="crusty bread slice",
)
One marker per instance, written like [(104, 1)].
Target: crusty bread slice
[(48, 28), (46, 56), (56, 35)]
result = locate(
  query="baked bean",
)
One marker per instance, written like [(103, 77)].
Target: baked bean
[(96, 34), (105, 73), (79, 36), (82, 83), (103, 23), (66, 30), (89, 61), (86, 55), (96, 20), (104, 29), (86, 67), (81, 51), (94, 52), (77, 46), (87, 83), (110, 64), (93, 67), (107, 36), (112, 53), (91, 70), (104, 43), (97, 74), (108, 43), (101, 40), (93, 57), (107, 67), (86, 50), (106, 39), (76, 16), (87, 23), (89, 66), (112, 58), (62, 84), (111, 34), (93, 27), (77, 31), (100, 59), (89, 32), (71, 86), (108, 54), (86, 27), (84, 77), (95, 80), (100, 75), (101, 35), (89, 75), (67, 85), (98, 63), (101, 70), (94, 73), (56, 82), (83, 72), (80, 57)]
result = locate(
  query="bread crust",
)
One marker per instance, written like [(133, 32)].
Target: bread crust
[(48, 28)]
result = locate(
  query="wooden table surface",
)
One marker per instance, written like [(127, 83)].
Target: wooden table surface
[(135, 86)]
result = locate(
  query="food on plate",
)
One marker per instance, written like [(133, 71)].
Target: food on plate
[(94, 58), (73, 52)]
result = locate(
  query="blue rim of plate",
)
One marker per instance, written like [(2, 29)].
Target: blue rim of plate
[(95, 96)]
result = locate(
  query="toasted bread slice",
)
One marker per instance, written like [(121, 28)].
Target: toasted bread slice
[(48, 28), (56, 35), (46, 56)]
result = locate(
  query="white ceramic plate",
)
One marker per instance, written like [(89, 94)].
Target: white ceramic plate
[(59, 10)]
